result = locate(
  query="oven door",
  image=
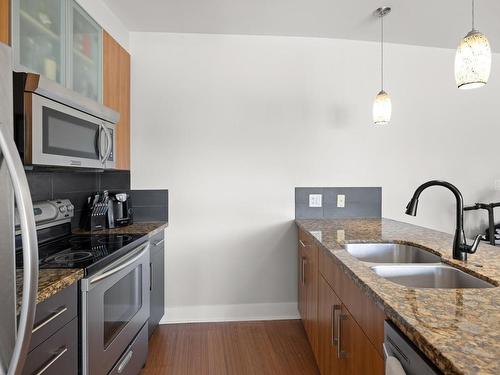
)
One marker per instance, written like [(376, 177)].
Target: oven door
[(115, 305), (64, 136)]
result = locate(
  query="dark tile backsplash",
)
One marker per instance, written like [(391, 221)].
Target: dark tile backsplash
[(363, 202), (150, 205), (75, 185)]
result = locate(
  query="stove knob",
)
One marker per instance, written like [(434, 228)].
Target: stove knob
[(70, 207), (62, 209)]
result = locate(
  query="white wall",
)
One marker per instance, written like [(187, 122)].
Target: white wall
[(100, 12), (231, 124)]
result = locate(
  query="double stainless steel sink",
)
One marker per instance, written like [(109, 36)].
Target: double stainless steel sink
[(412, 266)]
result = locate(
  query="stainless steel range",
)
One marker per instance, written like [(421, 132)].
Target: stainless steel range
[(114, 292)]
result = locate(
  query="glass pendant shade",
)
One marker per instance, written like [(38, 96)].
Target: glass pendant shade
[(382, 109), (473, 61)]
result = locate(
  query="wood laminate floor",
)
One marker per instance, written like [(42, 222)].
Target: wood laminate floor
[(240, 348)]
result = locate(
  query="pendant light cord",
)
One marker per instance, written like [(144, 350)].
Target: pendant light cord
[(473, 14), (382, 52)]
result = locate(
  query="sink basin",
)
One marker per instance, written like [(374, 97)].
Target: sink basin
[(429, 276), (390, 253)]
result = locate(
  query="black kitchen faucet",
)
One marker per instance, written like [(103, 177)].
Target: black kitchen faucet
[(460, 247)]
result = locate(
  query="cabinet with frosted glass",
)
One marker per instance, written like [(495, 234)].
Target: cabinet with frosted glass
[(58, 39)]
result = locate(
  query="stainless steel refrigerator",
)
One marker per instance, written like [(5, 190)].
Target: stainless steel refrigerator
[(16, 324)]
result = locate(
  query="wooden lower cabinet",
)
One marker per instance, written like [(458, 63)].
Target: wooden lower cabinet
[(344, 341), (328, 303), (358, 354), (308, 289)]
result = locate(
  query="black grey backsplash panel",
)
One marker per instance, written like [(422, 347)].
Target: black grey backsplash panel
[(150, 205), (75, 185), (360, 202)]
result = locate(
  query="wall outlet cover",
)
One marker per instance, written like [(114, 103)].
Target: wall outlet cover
[(315, 200), (340, 235), (341, 201), (497, 185)]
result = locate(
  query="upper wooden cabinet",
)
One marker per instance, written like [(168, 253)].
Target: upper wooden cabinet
[(116, 95), (5, 21), (59, 40)]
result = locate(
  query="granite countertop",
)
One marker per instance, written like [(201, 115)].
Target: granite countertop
[(50, 281), (149, 228), (458, 329)]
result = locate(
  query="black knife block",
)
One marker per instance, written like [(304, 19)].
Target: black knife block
[(96, 219)]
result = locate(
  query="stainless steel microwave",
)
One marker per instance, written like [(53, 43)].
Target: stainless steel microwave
[(56, 127)]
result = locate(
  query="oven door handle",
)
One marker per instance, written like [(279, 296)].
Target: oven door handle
[(121, 266)]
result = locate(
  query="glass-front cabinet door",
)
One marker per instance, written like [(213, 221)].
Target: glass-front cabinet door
[(59, 40), (40, 36), (86, 54)]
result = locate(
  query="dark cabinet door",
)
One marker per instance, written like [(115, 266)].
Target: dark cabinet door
[(157, 285)]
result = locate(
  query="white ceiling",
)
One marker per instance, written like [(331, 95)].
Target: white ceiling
[(437, 23)]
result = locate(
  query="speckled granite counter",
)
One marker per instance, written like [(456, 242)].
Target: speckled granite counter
[(458, 329), (49, 282), (150, 229)]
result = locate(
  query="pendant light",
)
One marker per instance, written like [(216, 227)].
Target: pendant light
[(473, 59), (382, 106)]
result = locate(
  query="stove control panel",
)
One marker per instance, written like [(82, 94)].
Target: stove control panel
[(48, 213)]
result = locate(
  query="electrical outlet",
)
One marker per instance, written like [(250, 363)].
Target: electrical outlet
[(318, 234), (315, 200), (340, 235), (341, 200), (497, 185)]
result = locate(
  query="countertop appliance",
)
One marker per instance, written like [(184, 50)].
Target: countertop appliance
[(397, 346), (114, 290), (15, 334), (120, 211), (56, 127)]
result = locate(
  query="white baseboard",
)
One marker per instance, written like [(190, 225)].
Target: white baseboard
[(230, 313)]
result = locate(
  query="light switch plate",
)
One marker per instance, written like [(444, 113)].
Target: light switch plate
[(340, 200), (497, 185), (340, 235), (315, 200)]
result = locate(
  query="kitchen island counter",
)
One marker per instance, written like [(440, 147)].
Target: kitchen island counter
[(457, 329)]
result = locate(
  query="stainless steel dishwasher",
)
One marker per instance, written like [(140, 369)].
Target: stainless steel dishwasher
[(411, 358)]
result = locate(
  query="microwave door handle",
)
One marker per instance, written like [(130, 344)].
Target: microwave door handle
[(99, 144), (109, 146), (30, 251)]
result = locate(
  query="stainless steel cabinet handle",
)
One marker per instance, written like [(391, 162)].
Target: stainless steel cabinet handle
[(158, 243), (125, 362), (57, 313), (335, 309), (340, 352), (52, 361), (302, 243), (121, 266), (30, 249), (150, 276)]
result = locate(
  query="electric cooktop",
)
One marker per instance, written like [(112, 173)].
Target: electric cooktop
[(88, 252)]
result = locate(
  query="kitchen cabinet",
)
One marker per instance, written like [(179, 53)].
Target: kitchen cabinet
[(308, 289), (346, 324), (5, 21), (328, 305), (116, 95), (157, 281), (54, 342), (58, 39)]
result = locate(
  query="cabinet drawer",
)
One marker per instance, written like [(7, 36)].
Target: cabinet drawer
[(58, 355), (158, 241), (53, 314), (134, 358)]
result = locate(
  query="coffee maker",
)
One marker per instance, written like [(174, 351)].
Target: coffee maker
[(119, 210)]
